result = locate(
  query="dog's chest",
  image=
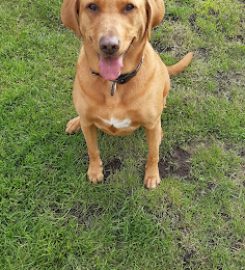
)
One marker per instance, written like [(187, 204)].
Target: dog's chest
[(118, 116), (116, 120), (118, 123)]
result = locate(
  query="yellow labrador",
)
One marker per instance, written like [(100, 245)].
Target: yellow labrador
[(121, 82)]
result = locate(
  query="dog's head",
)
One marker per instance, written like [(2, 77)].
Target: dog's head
[(111, 28)]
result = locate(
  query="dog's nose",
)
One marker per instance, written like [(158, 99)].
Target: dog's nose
[(109, 45)]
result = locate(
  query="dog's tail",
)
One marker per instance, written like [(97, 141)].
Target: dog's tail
[(181, 65)]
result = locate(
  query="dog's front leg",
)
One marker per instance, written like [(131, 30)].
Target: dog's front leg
[(95, 169), (154, 136)]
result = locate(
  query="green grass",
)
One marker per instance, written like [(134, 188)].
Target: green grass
[(53, 218)]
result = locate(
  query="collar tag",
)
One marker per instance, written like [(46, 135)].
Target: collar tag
[(113, 88)]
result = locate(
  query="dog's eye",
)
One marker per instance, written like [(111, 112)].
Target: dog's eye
[(129, 7), (93, 7)]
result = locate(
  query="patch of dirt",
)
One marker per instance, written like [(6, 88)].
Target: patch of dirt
[(112, 166), (56, 209), (177, 163), (212, 242), (192, 21), (187, 259), (202, 53), (211, 186), (238, 245), (225, 216), (222, 79), (240, 38), (171, 18), (178, 39), (236, 38), (161, 48), (212, 12), (242, 153), (85, 216), (225, 80)]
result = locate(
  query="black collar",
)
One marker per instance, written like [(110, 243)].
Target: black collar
[(122, 79)]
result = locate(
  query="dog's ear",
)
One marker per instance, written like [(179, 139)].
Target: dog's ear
[(155, 11), (70, 15)]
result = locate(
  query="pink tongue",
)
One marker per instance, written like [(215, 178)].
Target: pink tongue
[(110, 68)]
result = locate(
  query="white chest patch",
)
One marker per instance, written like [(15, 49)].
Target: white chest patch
[(125, 123)]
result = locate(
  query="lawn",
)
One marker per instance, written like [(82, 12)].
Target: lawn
[(53, 218)]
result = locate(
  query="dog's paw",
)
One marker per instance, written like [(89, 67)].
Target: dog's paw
[(151, 182), (95, 174), (73, 125)]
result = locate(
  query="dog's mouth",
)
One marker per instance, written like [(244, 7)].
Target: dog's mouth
[(110, 67)]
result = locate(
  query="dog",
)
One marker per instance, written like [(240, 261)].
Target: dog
[(121, 83)]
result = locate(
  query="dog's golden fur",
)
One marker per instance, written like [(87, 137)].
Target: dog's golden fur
[(140, 101)]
